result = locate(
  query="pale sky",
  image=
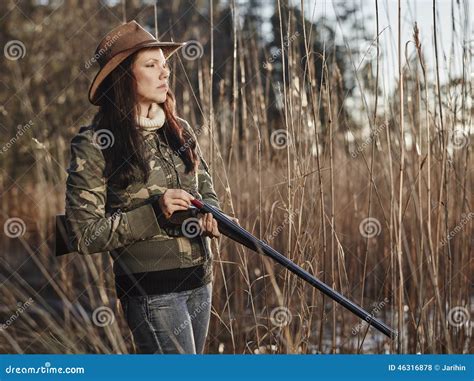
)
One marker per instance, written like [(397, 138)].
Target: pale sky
[(420, 11)]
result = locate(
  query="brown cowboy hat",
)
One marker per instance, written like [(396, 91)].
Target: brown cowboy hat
[(120, 43)]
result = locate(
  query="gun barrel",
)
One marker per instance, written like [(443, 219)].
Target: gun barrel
[(242, 236)]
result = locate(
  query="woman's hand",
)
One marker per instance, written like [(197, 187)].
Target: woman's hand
[(236, 220), (209, 227), (173, 200)]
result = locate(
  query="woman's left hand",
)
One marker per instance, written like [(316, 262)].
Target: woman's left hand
[(209, 225)]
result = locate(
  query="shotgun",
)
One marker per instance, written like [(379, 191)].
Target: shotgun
[(237, 233), (240, 235)]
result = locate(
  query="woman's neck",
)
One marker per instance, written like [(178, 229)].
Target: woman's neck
[(144, 108)]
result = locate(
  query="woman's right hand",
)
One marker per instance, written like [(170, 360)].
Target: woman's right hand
[(173, 200)]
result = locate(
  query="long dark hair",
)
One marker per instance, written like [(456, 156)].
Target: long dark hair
[(126, 149)]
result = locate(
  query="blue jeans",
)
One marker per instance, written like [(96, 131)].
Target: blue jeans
[(177, 322)]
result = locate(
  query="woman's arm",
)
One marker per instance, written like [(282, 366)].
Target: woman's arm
[(89, 230)]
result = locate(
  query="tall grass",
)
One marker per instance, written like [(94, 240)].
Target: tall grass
[(384, 218)]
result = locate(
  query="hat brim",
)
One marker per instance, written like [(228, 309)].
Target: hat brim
[(168, 48)]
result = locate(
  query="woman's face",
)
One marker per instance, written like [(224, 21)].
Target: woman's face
[(151, 74)]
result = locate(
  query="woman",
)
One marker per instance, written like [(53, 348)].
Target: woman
[(132, 177)]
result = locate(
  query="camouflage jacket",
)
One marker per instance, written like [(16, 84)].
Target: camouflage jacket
[(103, 218)]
